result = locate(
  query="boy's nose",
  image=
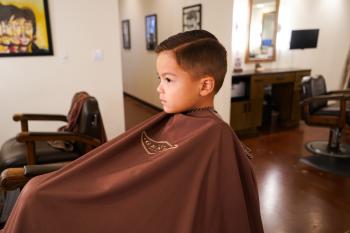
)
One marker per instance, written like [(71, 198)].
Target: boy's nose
[(159, 88)]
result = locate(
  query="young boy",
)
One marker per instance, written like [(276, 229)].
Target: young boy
[(181, 171), (192, 66)]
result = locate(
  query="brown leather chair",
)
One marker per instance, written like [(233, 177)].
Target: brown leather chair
[(32, 150), (317, 111), (329, 156)]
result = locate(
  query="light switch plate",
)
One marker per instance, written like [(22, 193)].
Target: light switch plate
[(98, 55)]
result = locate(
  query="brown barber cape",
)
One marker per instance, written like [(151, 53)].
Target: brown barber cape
[(174, 173)]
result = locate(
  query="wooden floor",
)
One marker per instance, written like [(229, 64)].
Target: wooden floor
[(294, 198), (136, 112)]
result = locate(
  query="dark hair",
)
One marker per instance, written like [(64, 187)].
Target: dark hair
[(199, 53), (6, 11), (28, 15)]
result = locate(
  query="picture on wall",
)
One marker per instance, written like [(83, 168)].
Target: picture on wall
[(126, 34), (25, 28), (151, 32), (192, 17)]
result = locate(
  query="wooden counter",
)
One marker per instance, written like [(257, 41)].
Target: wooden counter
[(285, 88)]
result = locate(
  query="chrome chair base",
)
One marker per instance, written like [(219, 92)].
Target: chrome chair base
[(322, 148)]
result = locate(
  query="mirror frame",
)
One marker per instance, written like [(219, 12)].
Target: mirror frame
[(273, 58)]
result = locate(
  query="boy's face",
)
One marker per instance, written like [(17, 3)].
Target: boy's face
[(178, 91)]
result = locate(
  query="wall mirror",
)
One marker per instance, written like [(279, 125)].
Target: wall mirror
[(262, 30)]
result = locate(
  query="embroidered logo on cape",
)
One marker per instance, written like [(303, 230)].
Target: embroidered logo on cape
[(153, 147)]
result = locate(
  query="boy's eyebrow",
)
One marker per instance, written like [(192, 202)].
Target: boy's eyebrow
[(167, 73)]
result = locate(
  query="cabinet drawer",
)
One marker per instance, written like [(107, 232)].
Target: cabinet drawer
[(274, 78), (283, 78), (260, 81), (239, 107), (257, 88), (245, 114)]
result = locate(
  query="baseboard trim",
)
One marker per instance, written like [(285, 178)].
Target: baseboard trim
[(143, 102)]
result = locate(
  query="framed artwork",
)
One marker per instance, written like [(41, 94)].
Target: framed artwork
[(192, 17), (151, 32), (25, 28), (126, 34)]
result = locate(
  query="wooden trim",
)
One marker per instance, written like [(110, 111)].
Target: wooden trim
[(273, 58), (38, 117), (143, 102)]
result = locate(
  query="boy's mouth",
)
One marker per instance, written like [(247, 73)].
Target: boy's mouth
[(161, 100)]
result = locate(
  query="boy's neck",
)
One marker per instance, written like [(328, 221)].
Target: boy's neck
[(206, 102)]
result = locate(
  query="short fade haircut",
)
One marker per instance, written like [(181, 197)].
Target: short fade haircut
[(199, 53)]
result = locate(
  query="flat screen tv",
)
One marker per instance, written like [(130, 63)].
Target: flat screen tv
[(304, 39)]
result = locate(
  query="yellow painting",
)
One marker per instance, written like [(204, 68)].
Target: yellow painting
[(24, 28)]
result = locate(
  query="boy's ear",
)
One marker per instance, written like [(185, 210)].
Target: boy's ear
[(207, 85)]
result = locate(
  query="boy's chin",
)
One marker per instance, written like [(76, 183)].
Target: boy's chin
[(172, 111), (169, 110)]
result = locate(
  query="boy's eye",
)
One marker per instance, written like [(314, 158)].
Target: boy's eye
[(165, 79)]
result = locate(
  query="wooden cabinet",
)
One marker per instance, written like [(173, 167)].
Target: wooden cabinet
[(285, 87), (243, 114)]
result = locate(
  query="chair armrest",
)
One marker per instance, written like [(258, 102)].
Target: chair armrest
[(13, 178), (338, 121), (39, 117), (39, 169), (326, 97), (24, 118), (345, 91), (51, 136)]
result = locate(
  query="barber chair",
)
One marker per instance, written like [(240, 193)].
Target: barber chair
[(326, 109), (34, 153)]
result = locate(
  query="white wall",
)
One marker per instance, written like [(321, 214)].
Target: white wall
[(46, 84), (331, 17), (139, 71)]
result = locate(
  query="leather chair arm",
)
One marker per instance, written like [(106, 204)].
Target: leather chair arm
[(39, 169), (326, 97), (51, 136), (39, 117), (13, 178), (345, 91), (340, 97)]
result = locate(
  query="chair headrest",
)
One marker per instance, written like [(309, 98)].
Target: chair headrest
[(314, 86), (90, 121)]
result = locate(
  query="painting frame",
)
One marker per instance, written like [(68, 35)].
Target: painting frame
[(28, 22), (192, 17), (151, 32), (126, 34)]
